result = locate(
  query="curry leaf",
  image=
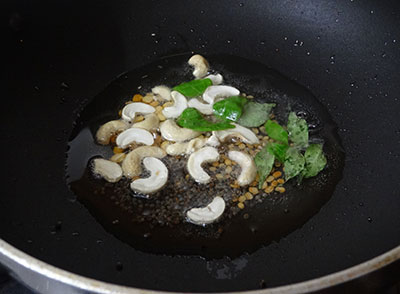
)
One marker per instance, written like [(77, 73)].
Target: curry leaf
[(276, 132), (298, 130), (255, 114), (191, 118), (278, 150), (230, 108), (294, 163), (315, 160), (264, 161), (193, 88)]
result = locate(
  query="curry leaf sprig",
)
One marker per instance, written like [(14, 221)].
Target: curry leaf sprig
[(298, 158)]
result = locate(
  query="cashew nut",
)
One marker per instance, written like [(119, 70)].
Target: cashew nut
[(213, 141), (204, 108), (215, 79), (185, 147), (196, 159), (213, 92), (200, 65), (130, 110), (131, 166), (208, 214), (108, 170), (172, 132), (180, 104), (110, 128), (134, 135), (246, 162), (162, 92), (244, 134), (157, 180), (150, 122)]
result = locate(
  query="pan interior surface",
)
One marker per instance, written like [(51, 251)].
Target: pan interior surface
[(61, 54), (137, 221)]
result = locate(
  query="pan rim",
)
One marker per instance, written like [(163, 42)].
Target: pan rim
[(12, 257)]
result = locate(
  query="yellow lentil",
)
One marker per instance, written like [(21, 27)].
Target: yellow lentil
[(240, 205), (253, 190), (242, 198), (269, 189), (228, 169), (280, 189), (118, 150), (274, 183), (159, 109), (270, 179), (147, 99), (215, 163), (248, 195), (118, 157), (278, 164), (219, 176), (228, 162), (255, 131), (213, 168), (242, 146), (281, 181), (137, 98), (277, 174), (154, 103), (161, 116), (168, 104)]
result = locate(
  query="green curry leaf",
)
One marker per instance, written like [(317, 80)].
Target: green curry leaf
[(230, 108), (193, 88), (264, 161), (278, 150), (298, 130), (255, 114), (315, 160), (276, 132), (294, 163), (191, 118)]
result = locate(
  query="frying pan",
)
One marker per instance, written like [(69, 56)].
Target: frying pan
[(61, 54)]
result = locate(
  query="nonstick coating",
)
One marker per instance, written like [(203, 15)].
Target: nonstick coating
[(60, 54)]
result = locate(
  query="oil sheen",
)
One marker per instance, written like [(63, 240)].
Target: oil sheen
[(157, 224)]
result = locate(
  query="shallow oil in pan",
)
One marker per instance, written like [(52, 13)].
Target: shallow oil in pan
[(270, 218)]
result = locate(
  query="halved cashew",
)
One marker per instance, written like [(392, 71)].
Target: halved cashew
[(213, 92), (213, 141), (180, 104), (131, 166), (204, 108), (196, 159), (244, 134), (215, 79), (134, 135), (110, 128), (162, 92), (157, 179), (208, 214), (172, 132), (150, 122), (200, 65), (186, 147), (108, 170), (130, 110), (246, 162)]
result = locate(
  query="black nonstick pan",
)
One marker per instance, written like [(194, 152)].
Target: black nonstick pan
[(60, 55)]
